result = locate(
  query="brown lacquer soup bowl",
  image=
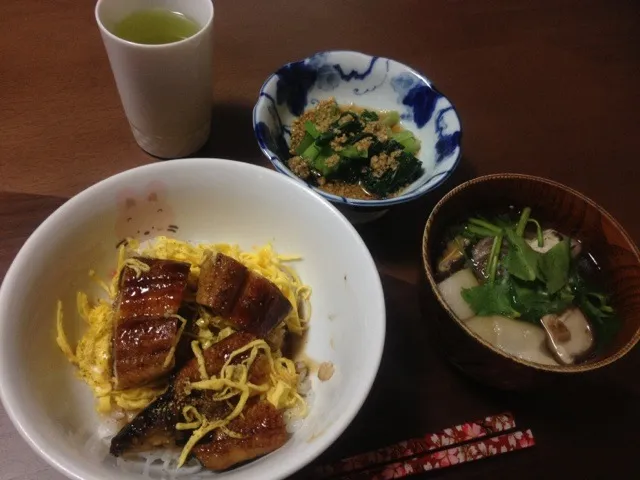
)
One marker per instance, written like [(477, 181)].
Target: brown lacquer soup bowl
[(601, 237)]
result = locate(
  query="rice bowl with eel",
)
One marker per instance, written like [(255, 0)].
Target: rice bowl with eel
[(56, 412), (248, 304)]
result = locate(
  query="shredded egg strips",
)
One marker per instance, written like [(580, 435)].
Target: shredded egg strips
[(93, 359)]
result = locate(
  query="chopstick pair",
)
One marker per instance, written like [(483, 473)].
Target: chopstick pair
[(451, 446)]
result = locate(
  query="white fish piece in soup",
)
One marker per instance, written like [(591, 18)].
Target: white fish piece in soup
[(550, 239), (520, 339), (451, 291)]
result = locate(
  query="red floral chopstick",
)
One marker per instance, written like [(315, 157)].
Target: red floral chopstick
[(416, 446), (469, 452)]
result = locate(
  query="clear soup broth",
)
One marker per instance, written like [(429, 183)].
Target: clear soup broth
[(525, 286)]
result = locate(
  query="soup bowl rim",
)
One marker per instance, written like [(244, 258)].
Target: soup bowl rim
[(563, 369)]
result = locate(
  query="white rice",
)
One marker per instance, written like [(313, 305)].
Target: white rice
[(161, 464)]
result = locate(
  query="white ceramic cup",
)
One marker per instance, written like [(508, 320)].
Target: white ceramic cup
[(165, 89)]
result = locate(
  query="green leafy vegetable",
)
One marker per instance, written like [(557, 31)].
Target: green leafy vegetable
[(503, 221), (596, 307), (515, 298), (539, 235), (405, 138), (490, 299), (360, 136), (320, 149), (352, 127), (605, 323), (553, 266), (603, 302), (306, 142), (522, 224), (521, 260), (351, 151), (391, 118), (533, 302), (311, 129), (324, 165), (474, 232), (352, 116), (369, 116), (494, 257), (478, 228), (408, 169), (402, 136), (529, 285), (325, 138), (311, 152), (486, 225), (412, 145)]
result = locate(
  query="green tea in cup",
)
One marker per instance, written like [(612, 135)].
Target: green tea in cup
[(161, 55), (155, 26)]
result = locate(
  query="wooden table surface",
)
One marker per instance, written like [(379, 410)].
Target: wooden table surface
[(542, 87)]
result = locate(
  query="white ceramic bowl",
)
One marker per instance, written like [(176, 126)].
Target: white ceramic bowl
[(205, 200)]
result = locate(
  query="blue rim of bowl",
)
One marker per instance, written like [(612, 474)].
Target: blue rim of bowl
[(353, 202)]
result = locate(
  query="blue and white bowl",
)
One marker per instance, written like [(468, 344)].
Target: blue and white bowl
[(373, 82)]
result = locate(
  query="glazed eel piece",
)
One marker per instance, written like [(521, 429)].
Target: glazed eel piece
[(246, 299), (146, 328), (262, 429), (261, 425)]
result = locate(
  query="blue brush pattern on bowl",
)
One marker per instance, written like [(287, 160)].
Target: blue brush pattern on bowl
[(373, 82)]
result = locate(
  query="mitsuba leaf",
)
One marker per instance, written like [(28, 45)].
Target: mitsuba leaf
[(490, 299), (533, 302), (554, 265), (521, 260), (602, 302), (504, 221), (605, 323)]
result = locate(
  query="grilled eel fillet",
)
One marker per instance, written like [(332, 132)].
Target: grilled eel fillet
[(262, 427), (246, 299), (144, 331)]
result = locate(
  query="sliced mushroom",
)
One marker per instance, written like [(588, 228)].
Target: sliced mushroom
[(480, 256), (451, 291), (569, 335), (550, 239), (453, 255)]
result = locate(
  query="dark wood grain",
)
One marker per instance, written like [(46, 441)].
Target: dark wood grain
[(576, 427), (20, 215), (546, 87)]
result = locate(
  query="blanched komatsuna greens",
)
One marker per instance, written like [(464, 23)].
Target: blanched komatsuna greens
[(354, 146)]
